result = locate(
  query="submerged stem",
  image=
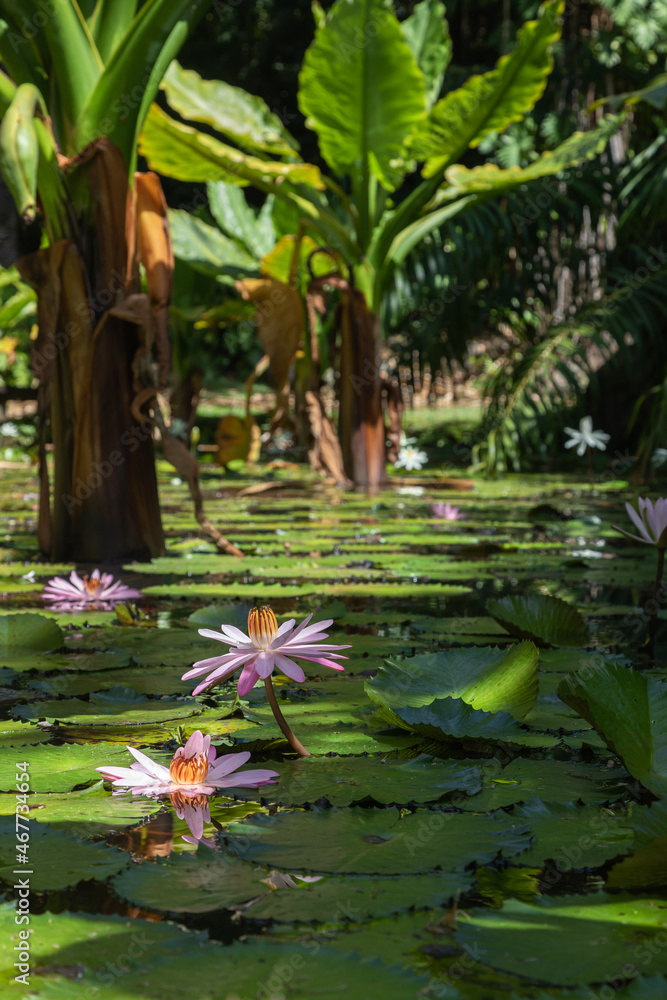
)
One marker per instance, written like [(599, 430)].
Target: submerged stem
[(280, 719)]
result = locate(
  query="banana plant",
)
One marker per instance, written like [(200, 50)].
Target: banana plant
[(370, 89), (79, 80)]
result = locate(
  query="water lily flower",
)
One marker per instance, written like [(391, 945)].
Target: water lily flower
[(264, 648), (94, 591), (586, 437), (650, 521), (194, 770), (446, 511), (410, 458)]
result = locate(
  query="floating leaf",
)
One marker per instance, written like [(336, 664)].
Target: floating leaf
[(488, 679), (546, 620), (56, 859), (367, 841), (23, 634), (569, 939), (629, 710)]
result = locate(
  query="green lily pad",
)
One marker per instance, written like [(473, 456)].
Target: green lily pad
[(550, 780), (367, 841), (80, 956), (629, 710), (56, 860), (62, 768), (489, 679), (573, 836), (28, 633), (365, 897), (546, 620), (569, 940), (214, 615), (386, 780), (86, 813)]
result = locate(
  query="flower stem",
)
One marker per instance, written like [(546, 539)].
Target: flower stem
[(653, 619), (280, 719)]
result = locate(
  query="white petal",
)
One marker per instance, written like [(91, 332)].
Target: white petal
[(236, 634), (208, 633), (150, 766)]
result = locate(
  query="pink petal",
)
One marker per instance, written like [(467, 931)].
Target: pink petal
[(194, 817), (216, 676), (195, 745), (323, 661), (264, 663), (249, 779), (231, 660), (284, 628), (228, 763), (289, 667), (248, 678)]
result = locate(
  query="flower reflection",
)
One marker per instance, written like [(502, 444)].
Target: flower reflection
[(194, 808)]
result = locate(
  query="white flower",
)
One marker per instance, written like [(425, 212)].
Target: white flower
[(586, 437), (659, 457), (9, 429), (410, 458)]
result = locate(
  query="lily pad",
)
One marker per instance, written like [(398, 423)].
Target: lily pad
[(569, 939), (56, 859), (545, 620), (367, 841), (488, 679), (573, 836), (629, 710), (386, 780), (23, 634)]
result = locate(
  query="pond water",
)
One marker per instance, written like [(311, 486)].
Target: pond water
[(447, 847)]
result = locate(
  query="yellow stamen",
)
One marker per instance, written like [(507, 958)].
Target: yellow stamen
[(262, 627), (188, 770), (92, 586)]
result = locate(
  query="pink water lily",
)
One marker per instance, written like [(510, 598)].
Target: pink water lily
[(650, 521), (265, 648), (194, 770), (446, 511), (95, 591)]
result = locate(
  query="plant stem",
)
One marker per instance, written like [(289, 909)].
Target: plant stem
[(591, 475), (280, 719), (653, 619)]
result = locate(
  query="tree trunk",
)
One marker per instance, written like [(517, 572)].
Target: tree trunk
[(91, 364), (361, 424)]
